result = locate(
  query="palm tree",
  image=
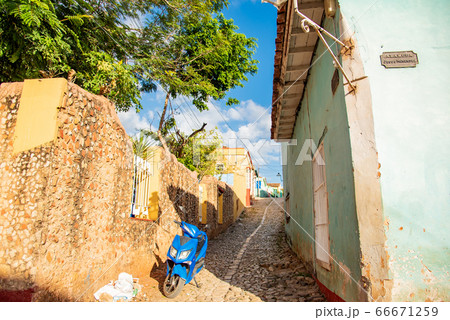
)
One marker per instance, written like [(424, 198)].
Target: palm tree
[(142, 146)]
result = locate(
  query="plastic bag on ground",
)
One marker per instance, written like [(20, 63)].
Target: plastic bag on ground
[(122, 289)]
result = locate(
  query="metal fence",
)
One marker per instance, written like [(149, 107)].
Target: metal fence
[(142, 172)]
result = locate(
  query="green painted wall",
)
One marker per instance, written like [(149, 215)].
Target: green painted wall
[(411, 116), (320, 112)]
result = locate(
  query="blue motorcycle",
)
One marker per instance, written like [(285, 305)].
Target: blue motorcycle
[(185, 258)]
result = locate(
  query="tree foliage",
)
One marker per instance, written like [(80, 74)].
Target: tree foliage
[(201, 58), (197, 150), (50, 38), (102, 41), (199, 153), (142, 146), (187, 47)]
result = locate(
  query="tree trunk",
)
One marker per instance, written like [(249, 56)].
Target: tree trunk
[(180, 148), (161, 123)]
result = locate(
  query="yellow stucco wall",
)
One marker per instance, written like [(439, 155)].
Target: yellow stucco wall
[(36, 117), (147, 187), (154, 185), (236, 161), (239, 187), (203, 203), (220, 208)]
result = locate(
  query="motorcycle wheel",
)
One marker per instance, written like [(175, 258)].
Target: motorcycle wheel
[(173, 285)]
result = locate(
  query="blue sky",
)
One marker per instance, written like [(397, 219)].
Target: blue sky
[(245, 124)]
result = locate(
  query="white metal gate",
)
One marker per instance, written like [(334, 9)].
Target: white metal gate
[(142, 171)]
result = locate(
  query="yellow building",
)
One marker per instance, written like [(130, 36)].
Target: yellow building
[(237, 163), (276, 190)]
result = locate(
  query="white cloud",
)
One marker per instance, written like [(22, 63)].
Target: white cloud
[(246, 125), (258, 126), (253, 133), (248, 110), (230, 139), (151, 114), (255, 122), (188, 117), (234, 114), (263, 151), (160, 94), (256, 130), (133, 121), (191, 119)]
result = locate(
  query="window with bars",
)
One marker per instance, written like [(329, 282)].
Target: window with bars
[(322, 237)]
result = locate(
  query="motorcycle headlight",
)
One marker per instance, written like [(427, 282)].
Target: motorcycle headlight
[(173, 252), (184, 254)]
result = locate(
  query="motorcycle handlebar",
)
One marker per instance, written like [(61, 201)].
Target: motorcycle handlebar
[(178, 223)]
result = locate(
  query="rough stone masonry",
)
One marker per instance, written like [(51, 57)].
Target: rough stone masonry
[(65, 229)]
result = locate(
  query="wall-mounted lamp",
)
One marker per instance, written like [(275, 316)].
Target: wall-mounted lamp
[(330, 8)]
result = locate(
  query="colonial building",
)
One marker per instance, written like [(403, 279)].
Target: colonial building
[(238, 171), (276, 190), (362, 113)]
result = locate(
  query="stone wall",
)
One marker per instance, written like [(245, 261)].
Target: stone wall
[(65, 229), (65, 205), (212, 220), (179, 188)]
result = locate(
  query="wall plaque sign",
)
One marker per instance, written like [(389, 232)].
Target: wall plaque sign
[(399, 59)]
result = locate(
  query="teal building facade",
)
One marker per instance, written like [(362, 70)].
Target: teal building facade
[(366, 163)]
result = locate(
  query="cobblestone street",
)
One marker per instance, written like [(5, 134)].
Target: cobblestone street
[(251, 261)]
